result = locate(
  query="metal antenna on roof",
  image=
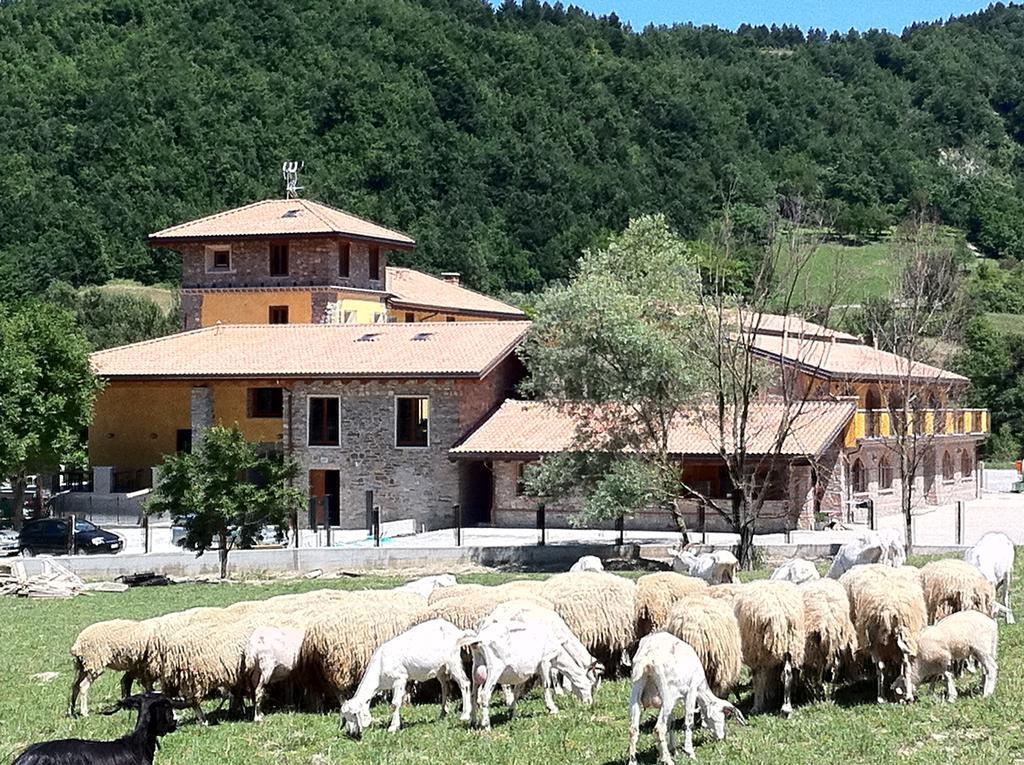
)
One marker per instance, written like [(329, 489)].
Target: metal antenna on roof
[(290, 171)]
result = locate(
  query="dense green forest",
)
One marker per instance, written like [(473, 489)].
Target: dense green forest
[(505, 139)]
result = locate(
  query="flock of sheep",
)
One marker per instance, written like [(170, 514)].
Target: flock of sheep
[(683, 636)]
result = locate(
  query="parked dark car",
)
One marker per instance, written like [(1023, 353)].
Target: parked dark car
[(49, 536)]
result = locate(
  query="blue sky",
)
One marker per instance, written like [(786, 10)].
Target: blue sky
[(835, 14)]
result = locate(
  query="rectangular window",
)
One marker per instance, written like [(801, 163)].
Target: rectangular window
[(266, 402), (278, 314), (218, 259), (344, 255), (521, 478), (323, 421), (412, 421), (449, 318), (374, 257), (410, 317), (279, 259), (183, 441)]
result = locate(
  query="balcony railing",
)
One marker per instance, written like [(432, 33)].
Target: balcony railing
[(883, 423)]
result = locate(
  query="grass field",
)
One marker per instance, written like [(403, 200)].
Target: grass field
[(37, 634), (860, 270), (1007, 323), (163, 295)]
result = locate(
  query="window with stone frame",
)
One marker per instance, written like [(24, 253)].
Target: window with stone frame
[(266, 403), (323, 423), (412, 421), (218, 258), (884, 474), (858, 477)]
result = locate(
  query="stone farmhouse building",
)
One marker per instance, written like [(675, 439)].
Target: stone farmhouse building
[(298, 331)]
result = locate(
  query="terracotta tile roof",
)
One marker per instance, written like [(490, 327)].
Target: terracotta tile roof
[(530, 428), (414, 289), (456, 349), (282, 217), (848, 361), (778, 324)]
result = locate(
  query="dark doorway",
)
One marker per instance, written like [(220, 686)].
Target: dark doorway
[(477, 493), (325, 491)]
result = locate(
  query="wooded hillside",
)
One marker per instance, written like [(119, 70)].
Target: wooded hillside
[(505, 140)]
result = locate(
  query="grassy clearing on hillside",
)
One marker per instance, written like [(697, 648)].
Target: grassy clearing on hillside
[(163, 295), (1006, 323), (862, 270), (37, 635)]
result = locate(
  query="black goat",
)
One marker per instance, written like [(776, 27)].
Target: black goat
[(156, 719)]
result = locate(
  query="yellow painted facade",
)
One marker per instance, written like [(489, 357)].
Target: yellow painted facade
[(254, 307), (136, 424), (359, 311)]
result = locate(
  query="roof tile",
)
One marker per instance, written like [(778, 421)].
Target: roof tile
[(418, 290)]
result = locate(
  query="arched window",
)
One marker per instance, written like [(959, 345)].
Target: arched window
[(948, 473), (858, 477), (884, 474), (966, 464)]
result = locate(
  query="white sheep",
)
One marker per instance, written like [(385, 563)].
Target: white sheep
[(796, 571), (961, 637), (993, 557), (666, 671), (427, 584), (588, 563), (716, 567), (424, 652), (515, 653), (271, 655), (884, 547)]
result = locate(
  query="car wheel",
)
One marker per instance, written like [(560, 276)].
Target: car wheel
[(28, 552)]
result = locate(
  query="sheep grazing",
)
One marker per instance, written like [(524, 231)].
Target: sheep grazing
[(885, 547), (588, 563), (600, 609), (516, 653), (427, 651), (959, 638), (954, 585), (427, 584), (454, 592), (467, 611), (831, 641), (655, 594), (338, 644), (527, 588), (717, 567), (888, 611), (119, 645), (709, 626), (271, 655), (156, 719), (771, 621), (666, 671), (796, 571), (993, 557), (724, 592)]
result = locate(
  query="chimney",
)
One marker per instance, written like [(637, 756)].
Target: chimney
[(452, 277)]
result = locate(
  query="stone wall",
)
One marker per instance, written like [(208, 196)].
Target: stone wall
[(311, 262), (191, 311), (201, 413)]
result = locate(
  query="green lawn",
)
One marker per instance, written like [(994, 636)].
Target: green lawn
[(37, 634), (860, 271)]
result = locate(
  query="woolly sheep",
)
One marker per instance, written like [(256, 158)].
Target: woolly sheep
[(454, 592), (993, 557), (771, 621), (724, 592), (522, 588), (796, 571), (338, 644), (426, 585), (600, 609), (119, 645), (888, 611), (885, 547), (588, 563), (961, 637), (831, 640), (655, 594), (954, 585), (271, 655), (716, 567), (666, 671), (709, 626), (467, 611)]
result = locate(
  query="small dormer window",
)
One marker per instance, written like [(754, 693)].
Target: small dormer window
[(218, 258)]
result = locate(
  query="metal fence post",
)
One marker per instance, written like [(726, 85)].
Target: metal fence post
[(145, 533), (960, 521), (458, 523), (376, 526), (542, 525), (369, 509), (871, 514), (72, 525), (702, 522), (620, 526)]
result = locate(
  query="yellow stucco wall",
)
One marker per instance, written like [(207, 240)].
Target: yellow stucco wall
[(136, 424), (254, 307), (365, 310)]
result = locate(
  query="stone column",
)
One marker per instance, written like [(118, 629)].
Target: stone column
[(202, 413), (103, 480)]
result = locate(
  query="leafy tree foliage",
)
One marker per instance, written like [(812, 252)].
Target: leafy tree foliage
[(224, 492), (46, 393), (507, 139), (110, 319)]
